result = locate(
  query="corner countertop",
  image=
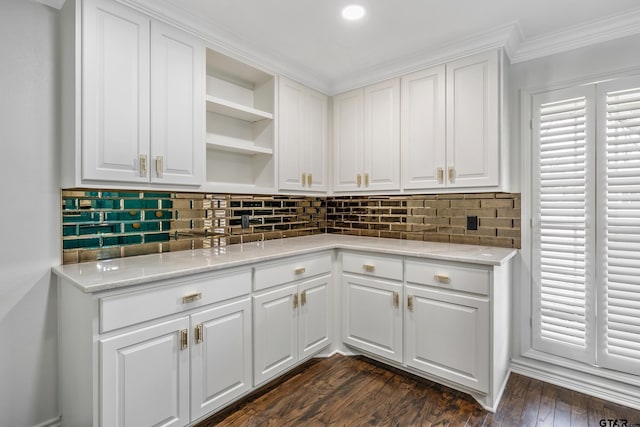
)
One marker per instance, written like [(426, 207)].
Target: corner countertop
[(99, 276)]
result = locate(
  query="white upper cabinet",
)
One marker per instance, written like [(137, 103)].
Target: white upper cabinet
[(348, 141), (367, 138), (451, 125), (473, 127), (115, 92), (302, 142), (137, 115), (423, 129), (382, 136), (177, 74)]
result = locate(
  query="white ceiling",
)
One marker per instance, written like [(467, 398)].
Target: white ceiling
[(309, 41)]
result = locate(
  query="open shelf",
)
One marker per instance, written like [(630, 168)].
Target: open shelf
[(235, 110), (217, 143), (240, 123)]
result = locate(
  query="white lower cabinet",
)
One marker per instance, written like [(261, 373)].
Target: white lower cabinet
[(291, 323), (145, 377), (172, 352), (220, 356), (448, 317), (448, 335), (275, 325), (372, 317), (164, 354)]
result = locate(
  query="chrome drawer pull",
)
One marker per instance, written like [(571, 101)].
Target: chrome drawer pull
[(191, 297), (442, 278)]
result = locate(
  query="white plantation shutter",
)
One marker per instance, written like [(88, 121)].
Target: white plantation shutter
[(619, 230), (563, 216)]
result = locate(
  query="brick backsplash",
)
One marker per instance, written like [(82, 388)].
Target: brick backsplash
[(112, 224), (104, 224), (434, 218)]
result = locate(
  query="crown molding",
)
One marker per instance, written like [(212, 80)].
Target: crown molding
[(508, 35), (590, 33), (56, 4), (227, 43)]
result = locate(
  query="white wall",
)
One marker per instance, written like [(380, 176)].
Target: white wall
[(29, 212)]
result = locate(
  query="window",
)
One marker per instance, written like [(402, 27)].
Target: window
[(586, 224)]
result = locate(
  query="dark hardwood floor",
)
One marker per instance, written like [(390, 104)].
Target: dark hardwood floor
[(356, 391)]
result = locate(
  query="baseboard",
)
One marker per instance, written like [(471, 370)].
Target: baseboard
[(334, 352), (54, 422), (602, 388)]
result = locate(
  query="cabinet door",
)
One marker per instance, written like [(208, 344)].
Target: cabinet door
[(447, 335), (382, 136), (348, 140), (144, 377), (290, 142), (372, 316), (423, 129), (275, 331), (473, 121), (115, 93), (177, 106), (314, 328), (315, 137), (220, 356)]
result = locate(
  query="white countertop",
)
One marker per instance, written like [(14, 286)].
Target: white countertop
[(110, 274)]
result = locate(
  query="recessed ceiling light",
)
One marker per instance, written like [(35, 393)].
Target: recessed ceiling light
[(353, 12)]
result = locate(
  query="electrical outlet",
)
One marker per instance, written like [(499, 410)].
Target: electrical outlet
[(245, 221), (472, 223)]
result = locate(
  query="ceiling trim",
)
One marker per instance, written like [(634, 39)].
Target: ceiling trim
[(506, 36), (227, 43), (590, 33), (509, 37), (56, 4)]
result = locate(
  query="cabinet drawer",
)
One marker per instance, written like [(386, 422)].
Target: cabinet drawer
[(448, 276), (127, 309), (288, 270), (372, 265)]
